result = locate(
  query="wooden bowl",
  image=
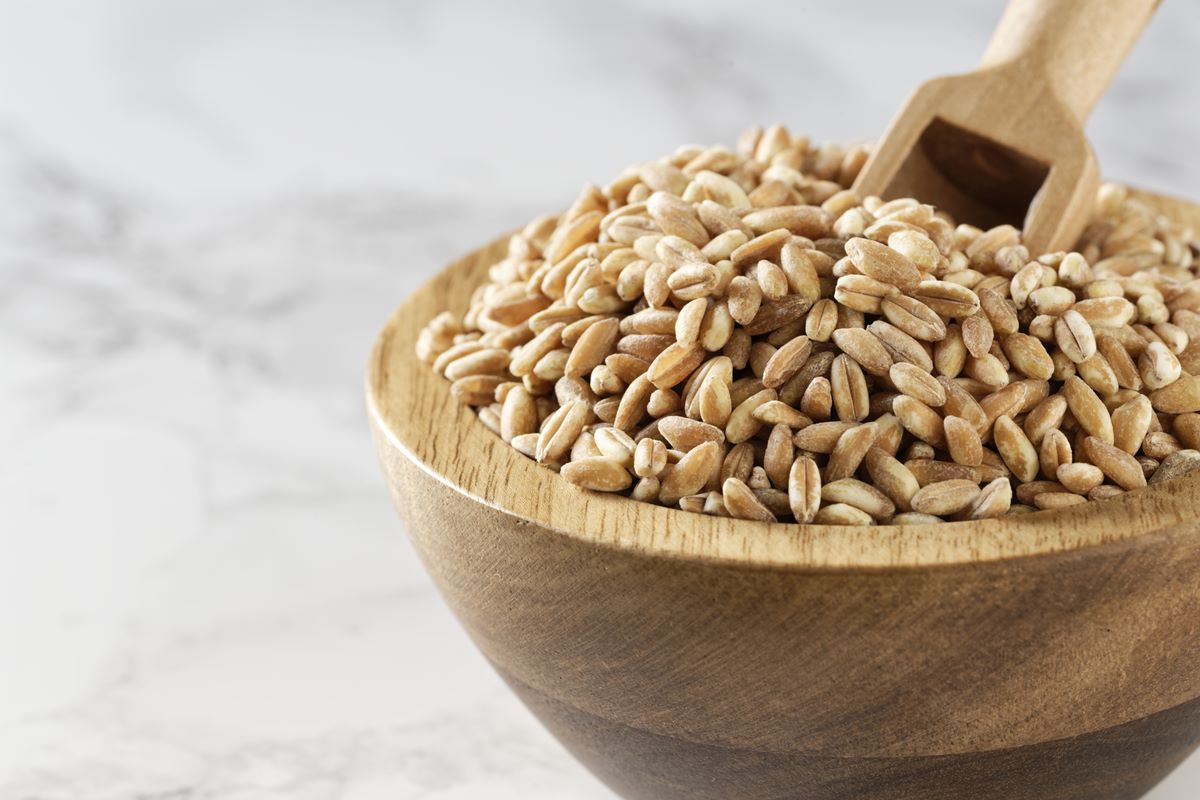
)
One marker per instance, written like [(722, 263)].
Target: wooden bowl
[(680, 656)]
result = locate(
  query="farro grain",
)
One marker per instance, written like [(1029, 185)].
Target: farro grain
[(1088, 409), (861, 495), (518, 415), (691, 473), (1016, 449), (842, 514), (962, 441), (947, 497), (1120, 467), (1131, 423), (1180, 397), (977, 334), (739, 462), (777, 313), (865, 348), (946, 298), (1181, 462), (785, 362), (597, 473), (1159, 444), (915, 382), (901, 346), (1051, 500), (1053, 452), (649, 458), (994, 500), (742, 422), (1079, 478), (851, 448), (848, 387), (821, 437), (778, 455), (1027, 492), (893, 478), (817, 400), (685, 434), (862, 293), (777, 412), (913, 317), (882, 263), (742, 503), (920, 420), (745, 298)]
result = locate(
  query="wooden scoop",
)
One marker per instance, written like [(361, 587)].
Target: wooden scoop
[(1005, 143)]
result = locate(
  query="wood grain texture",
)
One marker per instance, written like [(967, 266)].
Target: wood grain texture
[(1012, 130), (1053, 655)]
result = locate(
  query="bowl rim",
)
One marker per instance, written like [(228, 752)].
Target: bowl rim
[(411, 409)]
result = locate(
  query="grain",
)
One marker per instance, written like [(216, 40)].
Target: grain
[(1131, 422), (892, 478), (686, 434), (561, 430), (1079, 478), (1158, 366), (742, 503), (945, 497), (476, 390), (918, 384), (851, 448), (946, 298), (1179, 463), (649, 458), (1054, 451), (598, 474), (519, 414), (865, 348), (862, 293), (1051, 500), (1015, 448), (1181, 397), (1089, 410), (804, 489), (786, 362), (861, 495), (848, 386), (842, 514), (778, 455), (720, 330), (994, 500), (920, 420), (1120, 467), (962, 441), (1074, 336), (691, 473), (777, 412), (882, 263), (913, 317), (674, 364)]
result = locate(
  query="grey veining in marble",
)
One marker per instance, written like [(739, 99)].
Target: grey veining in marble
[(207, 208)]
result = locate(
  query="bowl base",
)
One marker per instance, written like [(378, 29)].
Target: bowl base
[(1119, 763)]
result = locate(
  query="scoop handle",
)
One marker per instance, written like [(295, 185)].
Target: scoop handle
[(1073, 47)]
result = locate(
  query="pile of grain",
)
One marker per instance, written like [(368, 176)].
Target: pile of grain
[(739, 333)]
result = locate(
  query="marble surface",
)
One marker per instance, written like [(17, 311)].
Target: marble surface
[(207, 208)]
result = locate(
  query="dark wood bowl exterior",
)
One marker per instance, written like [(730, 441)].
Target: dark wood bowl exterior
[(1055, 655)]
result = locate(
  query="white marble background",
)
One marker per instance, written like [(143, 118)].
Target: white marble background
[(207, 208)]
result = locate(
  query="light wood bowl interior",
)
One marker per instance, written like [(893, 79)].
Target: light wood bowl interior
[(686, 656)]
